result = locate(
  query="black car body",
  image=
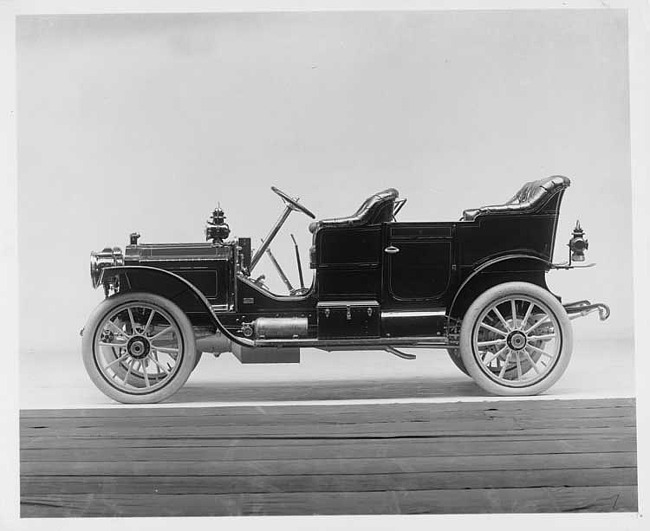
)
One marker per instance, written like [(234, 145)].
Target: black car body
[(475, 287)]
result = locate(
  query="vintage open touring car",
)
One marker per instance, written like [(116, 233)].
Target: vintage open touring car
[(475, 287)]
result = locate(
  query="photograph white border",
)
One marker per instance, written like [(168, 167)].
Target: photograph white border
[(639, 58)]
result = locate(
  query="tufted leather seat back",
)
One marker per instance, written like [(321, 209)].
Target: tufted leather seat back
[(378, 208), (530, 197)]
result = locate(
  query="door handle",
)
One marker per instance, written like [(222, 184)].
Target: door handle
[(391, 249)]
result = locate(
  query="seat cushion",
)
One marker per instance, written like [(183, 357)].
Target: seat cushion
[(378, 208), (529, 197)]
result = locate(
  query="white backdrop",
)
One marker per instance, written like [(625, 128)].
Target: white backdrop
[(145, 122)]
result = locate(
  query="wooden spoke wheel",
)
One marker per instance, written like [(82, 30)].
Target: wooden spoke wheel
[(516, 339), (138, 348)]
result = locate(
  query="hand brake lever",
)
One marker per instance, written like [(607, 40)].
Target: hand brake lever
[(279, 269), (295, 245)]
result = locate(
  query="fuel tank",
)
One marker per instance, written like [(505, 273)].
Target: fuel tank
[(280, 327)]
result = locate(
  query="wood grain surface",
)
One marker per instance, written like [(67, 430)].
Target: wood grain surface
[(464, 457)]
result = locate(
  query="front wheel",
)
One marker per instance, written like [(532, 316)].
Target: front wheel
[(516, 339), (138, 348)]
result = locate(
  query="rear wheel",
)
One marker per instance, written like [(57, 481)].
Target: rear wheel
[(138, 348), (516, 339)]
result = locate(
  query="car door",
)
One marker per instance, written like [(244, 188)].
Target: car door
[(348, 263), (417, 264)]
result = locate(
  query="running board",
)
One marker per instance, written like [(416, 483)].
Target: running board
[(359, 344)]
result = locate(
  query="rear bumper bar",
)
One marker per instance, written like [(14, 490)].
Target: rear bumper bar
[(583, 308)]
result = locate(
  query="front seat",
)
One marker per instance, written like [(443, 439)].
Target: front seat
[(378, 208)]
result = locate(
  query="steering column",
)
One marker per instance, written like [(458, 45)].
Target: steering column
[(291, 204)]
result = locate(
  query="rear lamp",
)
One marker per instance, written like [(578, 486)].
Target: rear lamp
[(578, 244)]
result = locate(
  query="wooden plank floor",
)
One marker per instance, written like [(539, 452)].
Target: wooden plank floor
[(471, 457)]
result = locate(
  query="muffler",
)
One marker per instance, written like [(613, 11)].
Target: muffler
[(215, 343)]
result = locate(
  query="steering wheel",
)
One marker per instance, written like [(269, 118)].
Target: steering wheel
[(293, 203)]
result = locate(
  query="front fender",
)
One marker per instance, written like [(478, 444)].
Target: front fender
[(173, 287)]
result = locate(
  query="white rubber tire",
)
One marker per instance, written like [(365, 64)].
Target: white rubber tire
[(513, 290), (176, 381), (454, 355)]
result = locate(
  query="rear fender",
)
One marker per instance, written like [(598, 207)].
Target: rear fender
[(173, 287), (508, 268)]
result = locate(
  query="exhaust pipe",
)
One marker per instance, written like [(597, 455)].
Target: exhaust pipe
[(584, 308)]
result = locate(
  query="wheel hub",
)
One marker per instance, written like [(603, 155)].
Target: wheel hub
[(138, 347), (516, 340)]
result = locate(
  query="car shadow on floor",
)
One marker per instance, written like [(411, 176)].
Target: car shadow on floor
[(328, 390)]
